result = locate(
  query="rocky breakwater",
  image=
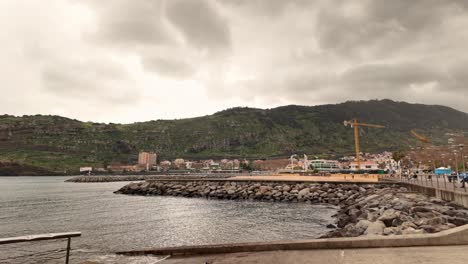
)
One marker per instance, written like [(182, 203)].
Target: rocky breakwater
[(369, 209), (116, 178), (397, 212), (108, 178)]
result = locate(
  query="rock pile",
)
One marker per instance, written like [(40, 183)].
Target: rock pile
[(108, 178), (335, 194), (397, 213), (369, 209), (116, 178)]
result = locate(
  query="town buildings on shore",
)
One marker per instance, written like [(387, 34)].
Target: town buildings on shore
[(148, 161), (369, 162)]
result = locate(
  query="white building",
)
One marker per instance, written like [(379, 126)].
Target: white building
[(147, 159), (86, 169), (325, 165), (365, 165)]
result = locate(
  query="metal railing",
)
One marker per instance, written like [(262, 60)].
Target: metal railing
[(50, 236), (441, 182)]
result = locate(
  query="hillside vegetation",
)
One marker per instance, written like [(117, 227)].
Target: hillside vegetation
[(59, 143)]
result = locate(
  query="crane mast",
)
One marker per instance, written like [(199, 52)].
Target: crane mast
[(421, 138), (355, 124)]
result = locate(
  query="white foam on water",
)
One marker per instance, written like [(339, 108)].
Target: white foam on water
[(120, 259)]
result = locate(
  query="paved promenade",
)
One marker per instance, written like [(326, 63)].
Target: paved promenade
[(406, 255), (295, 177), (440, 182)]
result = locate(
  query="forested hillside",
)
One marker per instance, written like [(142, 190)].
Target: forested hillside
[(59, 143)]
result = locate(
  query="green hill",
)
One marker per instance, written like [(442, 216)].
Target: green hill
[(59, 143)]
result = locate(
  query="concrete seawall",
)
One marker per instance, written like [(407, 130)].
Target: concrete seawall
[(459, 198), (455, 236), (117, 178)]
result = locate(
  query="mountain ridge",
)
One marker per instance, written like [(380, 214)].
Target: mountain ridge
[(240, 107), (59, 143)]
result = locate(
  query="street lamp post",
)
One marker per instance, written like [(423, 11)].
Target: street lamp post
[(456, 165), (292, 162), (461, 146)]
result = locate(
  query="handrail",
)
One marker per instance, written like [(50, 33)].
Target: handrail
[(50, 236)]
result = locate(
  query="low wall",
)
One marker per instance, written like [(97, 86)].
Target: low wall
[(458, 198), (116, 178), (455, 236)]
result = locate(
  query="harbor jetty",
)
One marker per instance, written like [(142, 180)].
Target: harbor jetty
[(364, 208), (117, 178)]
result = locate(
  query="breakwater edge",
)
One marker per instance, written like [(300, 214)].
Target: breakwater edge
[(117, 178), (364, 209)]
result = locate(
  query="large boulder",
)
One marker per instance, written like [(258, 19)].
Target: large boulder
[(263, 189), (420, 209), (412, 231), (352, 230), (303, 193), (363, 225), (343, 220), (354, 213), (375, 228), (391, 231), (402, 205), (388, 216), (458, 221)]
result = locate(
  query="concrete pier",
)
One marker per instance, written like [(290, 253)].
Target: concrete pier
[(455, 236), (401, 255)]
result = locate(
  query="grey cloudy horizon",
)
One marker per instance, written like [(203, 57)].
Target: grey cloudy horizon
[(126, 61)]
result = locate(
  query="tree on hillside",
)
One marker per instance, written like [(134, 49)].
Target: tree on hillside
[(398, 155)]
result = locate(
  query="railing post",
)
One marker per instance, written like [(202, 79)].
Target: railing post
[(50, 236), (68, 250)]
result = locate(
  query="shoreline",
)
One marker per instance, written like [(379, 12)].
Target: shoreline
[(365, 209)]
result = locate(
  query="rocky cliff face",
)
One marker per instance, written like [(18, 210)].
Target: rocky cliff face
[(15, 169)]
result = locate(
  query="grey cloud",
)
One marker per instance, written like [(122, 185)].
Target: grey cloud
[(403, 81), (414, 15), (136, 22), (201, 24), (271, 8), (164, 34), (170, 67), (390, 76), (234, 52), (380, 26), (457, 79), (89, 81)]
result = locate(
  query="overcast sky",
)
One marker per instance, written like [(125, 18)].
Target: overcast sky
[(137, 60)]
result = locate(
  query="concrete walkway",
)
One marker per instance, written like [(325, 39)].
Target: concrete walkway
[(440, 182), (406, 255), (342, 178)]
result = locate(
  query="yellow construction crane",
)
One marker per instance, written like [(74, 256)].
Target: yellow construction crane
[(355, 124), (420, 137)]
